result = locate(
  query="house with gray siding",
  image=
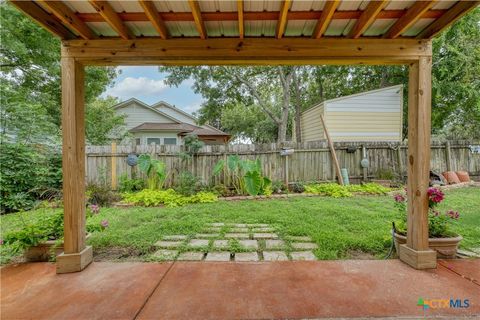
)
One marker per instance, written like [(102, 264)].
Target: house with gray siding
[(164, 124)]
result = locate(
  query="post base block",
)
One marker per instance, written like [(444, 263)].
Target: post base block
[(74, 262), (424, 259)]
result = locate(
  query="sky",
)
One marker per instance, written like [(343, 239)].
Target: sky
[(146, 84)]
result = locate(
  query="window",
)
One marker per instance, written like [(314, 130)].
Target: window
[(153, 140), (170, 140), (137, 141)]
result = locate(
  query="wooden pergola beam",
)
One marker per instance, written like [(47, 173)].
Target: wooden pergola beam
[(194, 51), (154, 17), (367, 18), (112, 18), (41, 17), (69, 18), (453, 14), (282, 19), (257, 15), (197, 17), (241, 23), (409, 18), (327, 15)]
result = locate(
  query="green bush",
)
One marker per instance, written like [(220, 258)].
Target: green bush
[(26, 172), (101, 194), (130, 185), (188, 184), (169, 198), (338, 191)]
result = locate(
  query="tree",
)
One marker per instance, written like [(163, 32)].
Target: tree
[(30, 70), (102, 123)]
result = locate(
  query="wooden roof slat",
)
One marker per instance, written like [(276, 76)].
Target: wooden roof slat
[(454, 13), (409, 18), (68, 17), (241, 25), (48, 21), (325, 18), (282, 18), (112, 18), (367, 18), (197, 17), (155, 18), (257, 15)]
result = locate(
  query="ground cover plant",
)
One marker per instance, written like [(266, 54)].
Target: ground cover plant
[(341, 227)]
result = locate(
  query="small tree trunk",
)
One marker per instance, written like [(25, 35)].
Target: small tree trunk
[(298, 107)]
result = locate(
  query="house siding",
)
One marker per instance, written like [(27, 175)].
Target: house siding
[(175, 114), (368, 116), (137, 114)]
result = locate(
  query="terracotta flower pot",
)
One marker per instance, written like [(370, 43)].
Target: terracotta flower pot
[(43, 251), (451, 177), (463, 176), (446, 247)]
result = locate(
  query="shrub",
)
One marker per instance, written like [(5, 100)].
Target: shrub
[(25, 172), (169, 198), (338, 191), (188, 184), (279, 187), (298, 187), (130, 185), (100, 194)]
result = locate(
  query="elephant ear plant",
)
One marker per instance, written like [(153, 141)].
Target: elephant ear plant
[(154, 169), (245, 175)]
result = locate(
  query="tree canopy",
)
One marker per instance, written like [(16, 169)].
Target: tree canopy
[(261, 103)]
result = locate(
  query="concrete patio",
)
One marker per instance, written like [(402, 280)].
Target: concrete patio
[(233, 290)]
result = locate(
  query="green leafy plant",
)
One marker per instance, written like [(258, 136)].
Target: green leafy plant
[(188, 184), (169, 198), (298, 187), (130, 185), (245, 175), (100, 194), (339, 191), (192, 146), (154, 169)]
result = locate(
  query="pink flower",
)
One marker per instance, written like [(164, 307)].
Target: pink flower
[(104, 224), (436, 213), (399, 198), (435, 195), (453, 214), (1, 242), (94, 208)]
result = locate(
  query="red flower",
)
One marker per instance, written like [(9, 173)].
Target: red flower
[(435, 195), (399, 198), (453, 214)]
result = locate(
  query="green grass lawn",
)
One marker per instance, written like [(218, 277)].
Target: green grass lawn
[(342, 227)]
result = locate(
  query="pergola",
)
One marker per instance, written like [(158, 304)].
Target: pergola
[(249, 32)]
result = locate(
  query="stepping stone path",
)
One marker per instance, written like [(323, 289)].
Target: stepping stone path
[(219, 241)]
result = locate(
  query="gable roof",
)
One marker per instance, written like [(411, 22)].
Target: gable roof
[(172, 107), (138, 102), (180, 128)]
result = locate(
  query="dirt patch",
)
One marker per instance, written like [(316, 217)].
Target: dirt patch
[(117, 254), (360, 255)]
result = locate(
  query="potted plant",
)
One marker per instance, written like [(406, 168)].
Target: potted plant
[(441, 238), (43, 240)]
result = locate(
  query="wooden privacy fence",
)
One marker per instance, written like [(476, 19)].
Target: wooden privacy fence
[(311, 161)]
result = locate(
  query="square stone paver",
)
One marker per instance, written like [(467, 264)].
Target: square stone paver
[(249, 244), (218, 256), (207, 235), (264, 229), (165, 254), (213, 229), (246, 256), (217, 224), (260, 225), (303, 255), (190, 256), (240, 225), (274, 244), (274, 256), (168, 244), (304, 245), (220, 244), (265, 236), (175, 237), (244, 230), (237, 235), (300, 238), (198, 243)]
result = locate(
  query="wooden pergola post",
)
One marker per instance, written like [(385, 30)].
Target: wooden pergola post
[(416, 252), (76, 255)]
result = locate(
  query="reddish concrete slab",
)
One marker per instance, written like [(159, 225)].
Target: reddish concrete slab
[(469, 269), (102, 291), (320, 289)]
